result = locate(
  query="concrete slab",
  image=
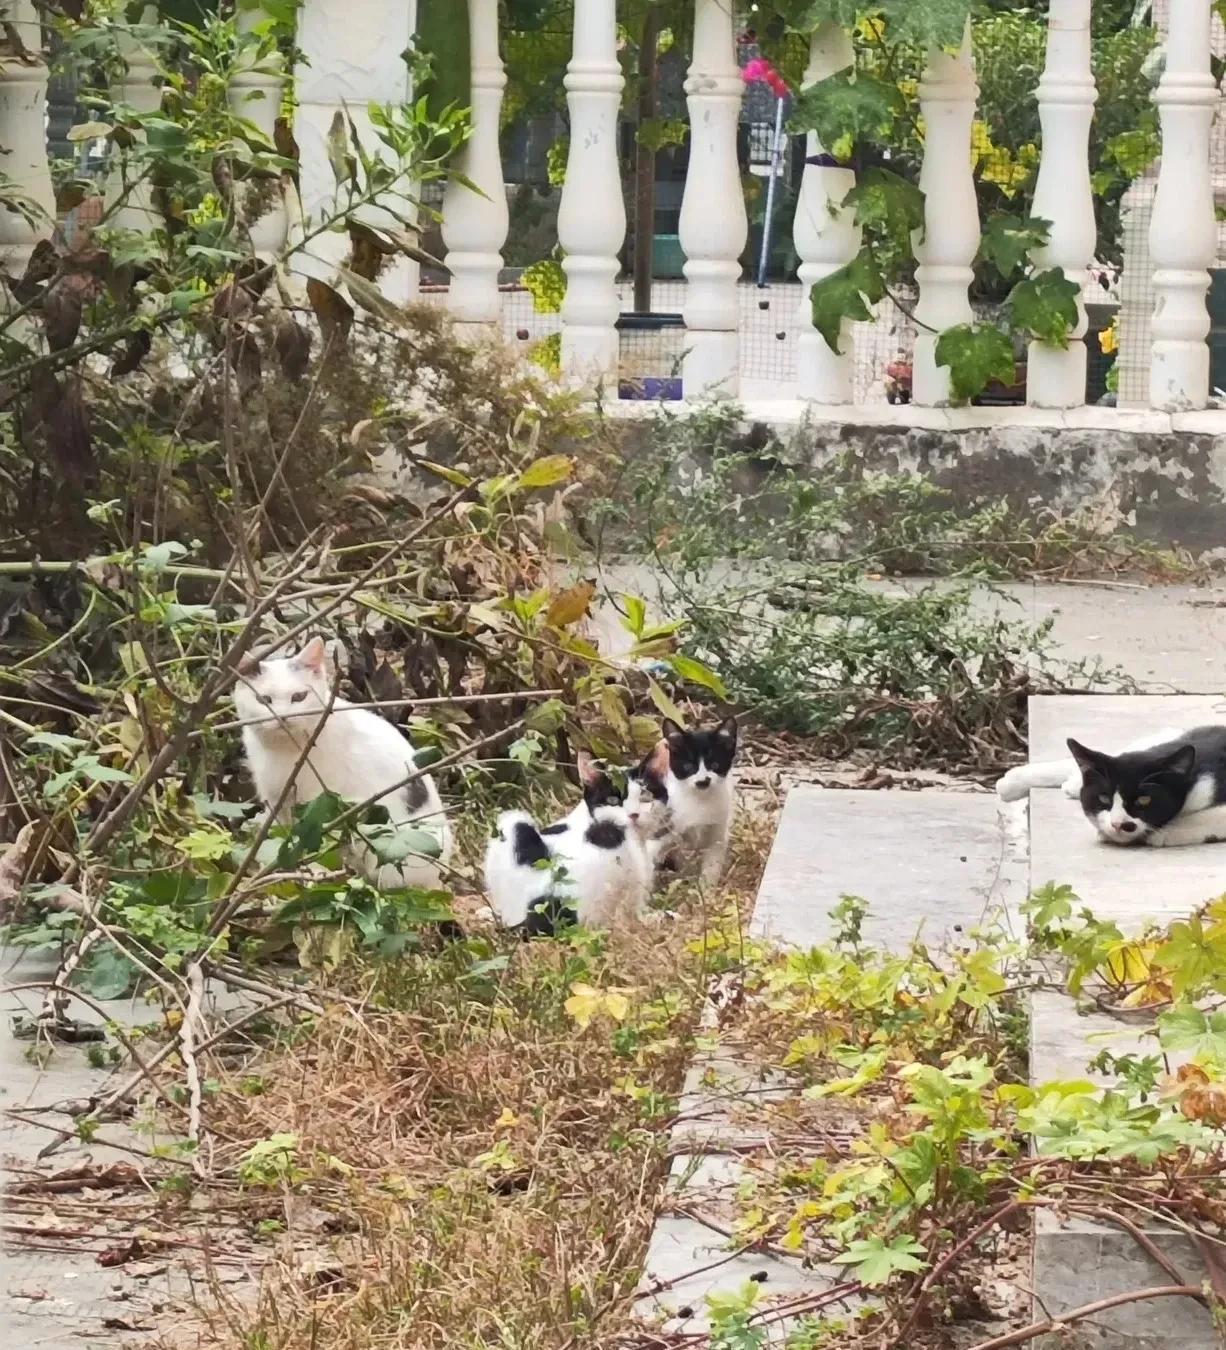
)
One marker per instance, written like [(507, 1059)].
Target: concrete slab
[(928, 863), (1111, 721)]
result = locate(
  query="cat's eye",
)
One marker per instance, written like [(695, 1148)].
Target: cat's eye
[(1104, 801), (1144, 801), (265, 699), (298, 697)]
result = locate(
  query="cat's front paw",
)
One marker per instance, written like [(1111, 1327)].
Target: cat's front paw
[(1071, 787), (1013, 786)]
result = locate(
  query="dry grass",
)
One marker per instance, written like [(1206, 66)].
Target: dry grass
[(478, 1170)]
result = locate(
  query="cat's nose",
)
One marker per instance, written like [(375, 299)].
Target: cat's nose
[(702, 782), (1127, 827)]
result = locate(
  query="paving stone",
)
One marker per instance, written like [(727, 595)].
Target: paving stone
[(927, 863), (1080, 1260)]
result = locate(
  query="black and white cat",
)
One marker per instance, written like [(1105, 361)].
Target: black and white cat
[(594, 867), (357, 752), (688, 807), (1164, 791)]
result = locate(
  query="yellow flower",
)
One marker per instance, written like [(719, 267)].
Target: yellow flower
[(1109, 338)]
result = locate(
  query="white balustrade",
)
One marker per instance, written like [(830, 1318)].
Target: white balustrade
[(1182, 232), (23, 135), (475, 225), (127, 176), (826, 237), (713, 226), (255, 96), (353, 52), (592, 213), (1056, 377), (946, 247)]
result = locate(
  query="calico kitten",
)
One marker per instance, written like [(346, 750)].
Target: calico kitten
[(689, 805), (356, 753), (1164, 791)]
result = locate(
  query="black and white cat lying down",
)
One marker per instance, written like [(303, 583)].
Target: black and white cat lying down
[(1164, 791)]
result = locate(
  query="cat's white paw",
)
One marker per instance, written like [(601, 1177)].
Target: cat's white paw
[(1071, 787), (485, 915), (1014, 785)]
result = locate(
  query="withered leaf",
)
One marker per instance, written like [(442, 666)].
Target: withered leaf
[(334, 312), (62, 306), (135, 349), (293, 346)]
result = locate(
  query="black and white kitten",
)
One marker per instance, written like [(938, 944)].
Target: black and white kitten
[(1164, 791), (687, 807), (594, 867)]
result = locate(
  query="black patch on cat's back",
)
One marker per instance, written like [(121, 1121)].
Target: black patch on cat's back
[(560, 827), (416, 794), (605, 834), (527, 845)]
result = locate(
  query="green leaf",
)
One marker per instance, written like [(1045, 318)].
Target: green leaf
[(157, 557), (852, 105), (1134, 151), (976, 354), (395, 843), (1045, 306), (876, 1262), (697, 673), (547, 472), (205, 844), (665, 704), (1008, 240), (1202, 1034), (926, 23), (846, 294), (803, 16), (1192, 955), (635, 616), (892, 205)]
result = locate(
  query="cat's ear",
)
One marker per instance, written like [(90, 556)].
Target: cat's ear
[(657, 762), (670, 730), (590, 772), (1179, 764), (1087, 760), (312, 656), (726, 731), (249, 666)]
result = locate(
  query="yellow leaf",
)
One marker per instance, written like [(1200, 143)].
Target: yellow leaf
[(617, 1006), (506, 1120), (547, 472), (570, 605), (583, 1004), (794, 1239)]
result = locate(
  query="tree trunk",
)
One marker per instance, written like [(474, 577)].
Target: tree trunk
[(645, 166)]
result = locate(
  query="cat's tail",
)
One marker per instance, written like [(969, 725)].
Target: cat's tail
[(1055, 773)]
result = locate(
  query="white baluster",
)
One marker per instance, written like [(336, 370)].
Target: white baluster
[(592, 213), (1183, 230), (353, 51), (947, 246), (23, 135), (713, 226), (138, 91), (826, 238), (475, 226), (255, 96), (1056, 377)]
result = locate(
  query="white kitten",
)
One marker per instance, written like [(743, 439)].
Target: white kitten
[(355, 755), (592, 868)]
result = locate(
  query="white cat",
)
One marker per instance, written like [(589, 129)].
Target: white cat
[(355, 755), (685, 800)]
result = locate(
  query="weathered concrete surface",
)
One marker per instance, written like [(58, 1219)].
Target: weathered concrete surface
[(930, 865), (1161, 476), (1081, 1260)]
